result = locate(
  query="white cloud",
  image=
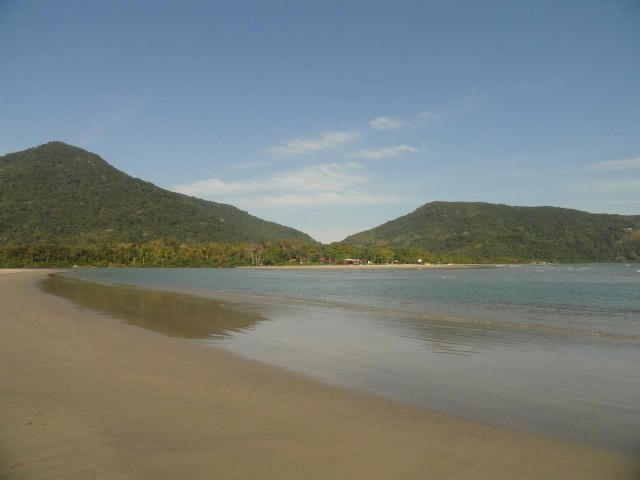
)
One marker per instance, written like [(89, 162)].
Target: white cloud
[(304, 146), (384, 152), (320, 199), (628, 164), (322, 177), (326, 184), (215, 186), (387, 123)]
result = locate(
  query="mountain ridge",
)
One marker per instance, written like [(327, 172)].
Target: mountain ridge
[(61, 193), (58, 194), (482, 231)]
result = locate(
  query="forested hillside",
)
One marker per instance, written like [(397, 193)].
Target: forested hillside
[(481, 232), (61, 206), (60, 194)]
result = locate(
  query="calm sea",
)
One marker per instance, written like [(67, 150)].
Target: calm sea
[(551, 349)]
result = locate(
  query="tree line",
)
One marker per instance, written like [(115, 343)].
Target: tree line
[(172, 253)]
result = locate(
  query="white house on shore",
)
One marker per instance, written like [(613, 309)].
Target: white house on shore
[(351, 261)]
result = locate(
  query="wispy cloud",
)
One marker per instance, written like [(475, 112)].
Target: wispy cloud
[(428, 116), (320, 199), (384, 152), (215, 186), (326, 184), (628, 164), (304, 146), (387, 123), (322, 177)]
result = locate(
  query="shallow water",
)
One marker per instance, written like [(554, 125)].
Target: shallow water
[(547, 349)]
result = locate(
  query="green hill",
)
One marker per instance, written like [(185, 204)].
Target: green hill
[(60, 194), (479, 232)]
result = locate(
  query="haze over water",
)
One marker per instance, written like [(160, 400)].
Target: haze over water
[(552, 349)]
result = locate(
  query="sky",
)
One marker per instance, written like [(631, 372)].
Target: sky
[(335, 116)]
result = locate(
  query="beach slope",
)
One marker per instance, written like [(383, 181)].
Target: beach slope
[(86, 396)]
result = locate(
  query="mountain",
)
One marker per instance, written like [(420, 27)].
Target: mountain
[(501, 233), (58, 193)]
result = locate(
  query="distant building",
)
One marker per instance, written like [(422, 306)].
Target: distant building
[(351, 261)]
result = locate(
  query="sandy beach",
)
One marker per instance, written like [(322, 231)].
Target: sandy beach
[(364, 266), (85, 396)]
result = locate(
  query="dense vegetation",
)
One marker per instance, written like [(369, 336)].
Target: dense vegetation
[(62, 206), (482, 232), (61, 195), (171, 253)]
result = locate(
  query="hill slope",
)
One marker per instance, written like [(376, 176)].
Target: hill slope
[(487, 232), (58, 193)]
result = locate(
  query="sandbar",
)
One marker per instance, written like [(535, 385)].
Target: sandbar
[(88, 396)]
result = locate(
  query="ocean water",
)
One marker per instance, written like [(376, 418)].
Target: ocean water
[(549, 349)]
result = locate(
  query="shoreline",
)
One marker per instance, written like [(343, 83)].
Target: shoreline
[(399, 266), (91, 397)]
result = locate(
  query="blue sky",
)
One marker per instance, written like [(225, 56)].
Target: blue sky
[(335, 116)]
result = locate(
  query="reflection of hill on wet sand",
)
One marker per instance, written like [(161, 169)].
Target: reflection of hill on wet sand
[(170, 313)]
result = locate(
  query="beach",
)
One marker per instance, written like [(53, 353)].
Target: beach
[(375, 266), (87, 396)]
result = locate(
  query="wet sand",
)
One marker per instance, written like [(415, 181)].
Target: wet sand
[(86, 396)]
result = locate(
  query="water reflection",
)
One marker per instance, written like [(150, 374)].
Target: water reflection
[(446, 337), (467, 337), (172, 314)]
